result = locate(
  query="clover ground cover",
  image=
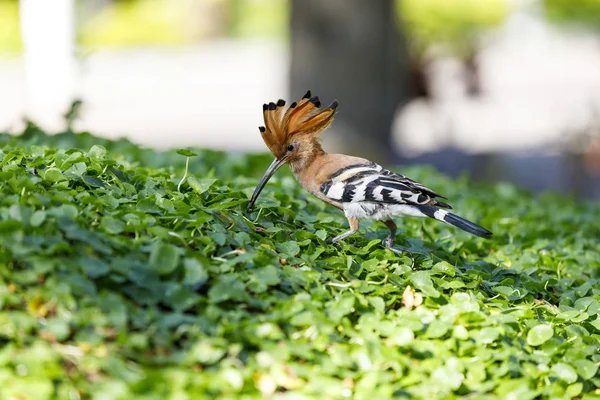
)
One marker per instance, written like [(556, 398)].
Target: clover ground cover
[(119, 281)]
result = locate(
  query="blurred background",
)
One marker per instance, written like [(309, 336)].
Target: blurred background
[(498, 89)]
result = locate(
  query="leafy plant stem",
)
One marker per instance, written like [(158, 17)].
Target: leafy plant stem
[(187, 162)]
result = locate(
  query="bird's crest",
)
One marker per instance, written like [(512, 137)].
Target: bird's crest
[(302, 118)]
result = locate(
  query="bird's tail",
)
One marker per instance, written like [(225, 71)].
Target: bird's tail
[(455, 220)]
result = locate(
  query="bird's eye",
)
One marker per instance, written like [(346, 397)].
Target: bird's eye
[(291, 147)]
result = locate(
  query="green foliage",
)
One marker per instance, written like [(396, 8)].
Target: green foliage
[(138, 22), (262, 18), (10, 35), (574, 11), (450, 23), (116, 285), (169, 22)]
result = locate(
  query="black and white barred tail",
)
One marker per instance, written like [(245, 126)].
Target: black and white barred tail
[(455, 220)]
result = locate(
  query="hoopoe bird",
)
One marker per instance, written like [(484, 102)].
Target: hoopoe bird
[(361, 188)]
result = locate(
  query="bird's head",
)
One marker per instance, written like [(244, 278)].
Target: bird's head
[(292, 134)]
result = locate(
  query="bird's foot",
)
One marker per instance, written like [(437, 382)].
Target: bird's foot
[(399, 251), (334, 241), (341, 237), (388, 243)]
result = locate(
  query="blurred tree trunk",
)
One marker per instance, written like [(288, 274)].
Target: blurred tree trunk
[(352, 50)]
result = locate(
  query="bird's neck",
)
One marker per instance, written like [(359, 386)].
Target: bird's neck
[(306, 159)]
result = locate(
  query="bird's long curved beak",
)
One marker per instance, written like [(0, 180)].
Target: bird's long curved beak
[(275, 165)]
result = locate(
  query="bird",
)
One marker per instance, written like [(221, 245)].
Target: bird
[(362, 189)]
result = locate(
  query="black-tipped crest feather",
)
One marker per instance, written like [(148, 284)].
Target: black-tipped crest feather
[(302, 117)]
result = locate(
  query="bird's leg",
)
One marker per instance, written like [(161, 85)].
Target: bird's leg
[(353, 228), (389, 241)]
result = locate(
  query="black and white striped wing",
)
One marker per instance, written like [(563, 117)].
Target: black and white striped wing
[(370, 182)]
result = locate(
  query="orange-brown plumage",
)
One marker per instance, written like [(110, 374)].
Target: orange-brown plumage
[(361, 188), (319, 171), (301, 121)]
